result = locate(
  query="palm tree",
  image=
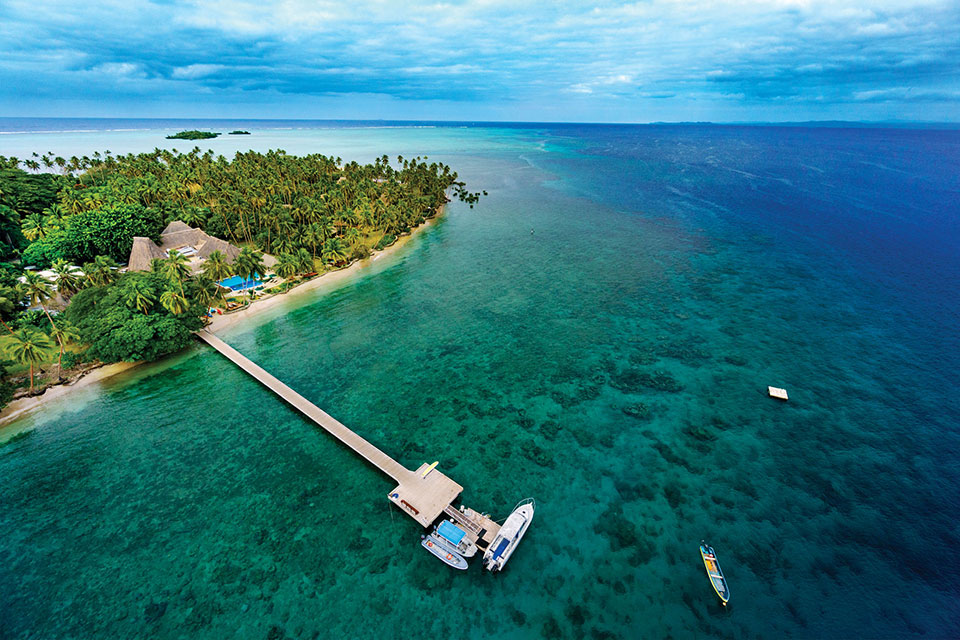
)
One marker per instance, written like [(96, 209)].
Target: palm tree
[(175, 269), (286, 266), (33, 227), (67, 278), (53, 216), (314, 235), (304, 261), (139, 294), (216, 266), (65, 333), (285, 244), (8, 220), (30, 346), (174, 302), (101, 272), (37, 290), (334, 251), (352, 235), (194, 216), (10, 298), (206, 291), (249, 264)]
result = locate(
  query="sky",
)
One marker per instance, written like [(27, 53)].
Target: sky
[(516, 60)]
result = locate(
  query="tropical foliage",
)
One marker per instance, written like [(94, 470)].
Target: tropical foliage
[(310, 212), (193, 134), (23, 194), (139, 316), (31, 347)]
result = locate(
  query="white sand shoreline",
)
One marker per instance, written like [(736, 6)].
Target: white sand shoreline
[(329, 279), (22, 407)]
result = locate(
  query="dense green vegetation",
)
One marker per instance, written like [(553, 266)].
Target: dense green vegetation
[(276, 202), (107, 230), (24, 194), (193, 134), (312, 212), (239, 132), (140, 316)]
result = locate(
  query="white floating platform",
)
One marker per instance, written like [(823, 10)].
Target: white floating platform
[(778, 393)]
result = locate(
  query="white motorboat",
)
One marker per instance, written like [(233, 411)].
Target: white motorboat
[(509, 536)]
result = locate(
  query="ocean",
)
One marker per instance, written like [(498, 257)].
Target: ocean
[(597, 333)]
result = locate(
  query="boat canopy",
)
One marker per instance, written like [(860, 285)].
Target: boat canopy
[(451, 532)]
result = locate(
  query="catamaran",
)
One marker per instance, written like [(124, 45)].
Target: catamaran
[(713, 570), (508, 538)]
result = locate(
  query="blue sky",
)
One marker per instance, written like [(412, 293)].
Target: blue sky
[(658, 60)]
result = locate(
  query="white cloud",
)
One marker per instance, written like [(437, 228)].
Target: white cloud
[(120, 69), (496, 50), (194, 71)]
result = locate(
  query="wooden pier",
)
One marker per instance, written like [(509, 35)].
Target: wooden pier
[(422, 496)]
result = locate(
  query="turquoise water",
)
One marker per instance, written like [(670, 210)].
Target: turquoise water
[(598, 333)]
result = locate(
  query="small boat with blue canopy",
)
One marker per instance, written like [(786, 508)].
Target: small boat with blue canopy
[(717, 580), (457, 537)]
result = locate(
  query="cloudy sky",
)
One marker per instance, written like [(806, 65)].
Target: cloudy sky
[(656, 60)]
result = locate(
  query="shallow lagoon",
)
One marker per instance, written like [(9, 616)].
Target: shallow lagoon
[(597, 333)]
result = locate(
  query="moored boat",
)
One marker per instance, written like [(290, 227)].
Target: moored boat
[(443, 550), (509, 536), (456, 536), (717, 580)]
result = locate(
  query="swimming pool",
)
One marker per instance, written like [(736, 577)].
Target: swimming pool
[(236, 283)]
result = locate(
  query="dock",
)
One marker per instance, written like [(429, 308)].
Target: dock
[(422, 495)]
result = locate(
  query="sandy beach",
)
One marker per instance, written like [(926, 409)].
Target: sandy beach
[(295, 297), (22, 406), (328, 280)]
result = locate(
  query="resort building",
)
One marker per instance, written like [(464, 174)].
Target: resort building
[(195, 244)]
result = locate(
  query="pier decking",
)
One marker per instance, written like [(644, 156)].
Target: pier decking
[(422, 497)]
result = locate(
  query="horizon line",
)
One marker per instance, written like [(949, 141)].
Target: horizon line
[(827, 120), (832, 123)]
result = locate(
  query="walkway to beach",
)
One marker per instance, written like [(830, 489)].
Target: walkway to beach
[(422, 498)]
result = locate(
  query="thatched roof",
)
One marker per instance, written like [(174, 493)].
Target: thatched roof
[(179, 239), (211, 244), (143, 253), (176, 225), (177, 236)]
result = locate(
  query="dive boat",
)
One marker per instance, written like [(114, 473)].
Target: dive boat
[(713, 570), (508, 538), (449, 531), (443, 550)]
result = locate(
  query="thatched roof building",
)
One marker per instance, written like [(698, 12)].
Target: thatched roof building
[(143, 253), (180, 237)]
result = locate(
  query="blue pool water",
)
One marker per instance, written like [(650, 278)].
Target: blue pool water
[(236, 283), (612, 364)]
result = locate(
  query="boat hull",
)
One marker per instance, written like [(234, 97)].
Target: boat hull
[(512, 531), (717, 580), (442, 550)]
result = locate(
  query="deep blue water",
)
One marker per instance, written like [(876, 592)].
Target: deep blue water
[(599, 333)]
